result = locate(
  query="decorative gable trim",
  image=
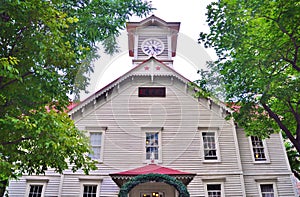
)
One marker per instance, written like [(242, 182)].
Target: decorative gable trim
[(137, 71)]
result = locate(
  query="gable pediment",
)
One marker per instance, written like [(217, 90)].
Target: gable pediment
[(153, 21), (151, 67)]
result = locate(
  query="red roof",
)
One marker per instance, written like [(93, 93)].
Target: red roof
[(122, 177), (151, 168), (72, 105)]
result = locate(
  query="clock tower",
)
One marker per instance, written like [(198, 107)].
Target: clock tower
[(152, 37)]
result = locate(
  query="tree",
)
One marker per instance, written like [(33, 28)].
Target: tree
[(46, 53), (257, 43)]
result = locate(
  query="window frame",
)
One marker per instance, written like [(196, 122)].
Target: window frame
[(84, 183), (259, 183), (216, 134), (152, 130), (221, 183), (267, 160), (102, 131), (30, 183)]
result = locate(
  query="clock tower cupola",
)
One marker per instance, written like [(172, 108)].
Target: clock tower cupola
[(152, 37)]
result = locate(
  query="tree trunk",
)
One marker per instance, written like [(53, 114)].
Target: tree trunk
[(297, 175), (3, 185), (294, 141)]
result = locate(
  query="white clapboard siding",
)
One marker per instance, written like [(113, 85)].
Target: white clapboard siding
[(180, 118), (277, 168), (180, 115), (18, 188), (283, 185), (232, 185), (71, 186), (274, 149)]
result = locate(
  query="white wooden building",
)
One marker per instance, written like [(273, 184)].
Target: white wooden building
[(148, 121)]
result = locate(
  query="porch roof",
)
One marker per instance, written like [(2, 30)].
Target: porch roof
[(122, 177)]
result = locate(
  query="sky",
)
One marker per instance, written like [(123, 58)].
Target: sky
[(191, 14), (190, 55)]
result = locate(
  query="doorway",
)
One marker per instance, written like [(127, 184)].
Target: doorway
[(152, 194), (153, 189)]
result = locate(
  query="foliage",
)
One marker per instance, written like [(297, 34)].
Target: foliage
[(53, 139), (144, 178), (257, 43), (210, 81), (294, 158), (46, 49)]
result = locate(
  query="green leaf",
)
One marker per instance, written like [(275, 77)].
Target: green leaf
[(46, 54), (258, 68)]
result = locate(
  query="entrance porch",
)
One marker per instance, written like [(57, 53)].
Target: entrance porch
[(153, 181)]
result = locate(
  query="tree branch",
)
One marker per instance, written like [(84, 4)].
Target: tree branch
[(282, 126), (292, 38), (297, 117), (296, 47), (15, 80), (16, 141)]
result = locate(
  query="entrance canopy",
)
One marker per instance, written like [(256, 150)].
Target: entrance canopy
[(122, 177)]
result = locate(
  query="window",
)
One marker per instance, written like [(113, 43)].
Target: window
[(209, 146), (89, 190), (214, 186), (152, 145), (267, 190), (96, 135), (36, 186), (267, 186), (90, 185), (96, 144), (152, 92), (214, 190), (35, 191), (258, 149)]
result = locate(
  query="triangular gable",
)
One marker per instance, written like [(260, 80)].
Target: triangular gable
[(151, 67), (153, 21), (154, 67)]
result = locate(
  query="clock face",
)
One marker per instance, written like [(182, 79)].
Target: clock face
[(152, 46)]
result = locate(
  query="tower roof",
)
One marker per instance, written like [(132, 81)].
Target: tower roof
[(152, 21)]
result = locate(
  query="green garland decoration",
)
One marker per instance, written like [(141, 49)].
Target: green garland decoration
[(179, 186)]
